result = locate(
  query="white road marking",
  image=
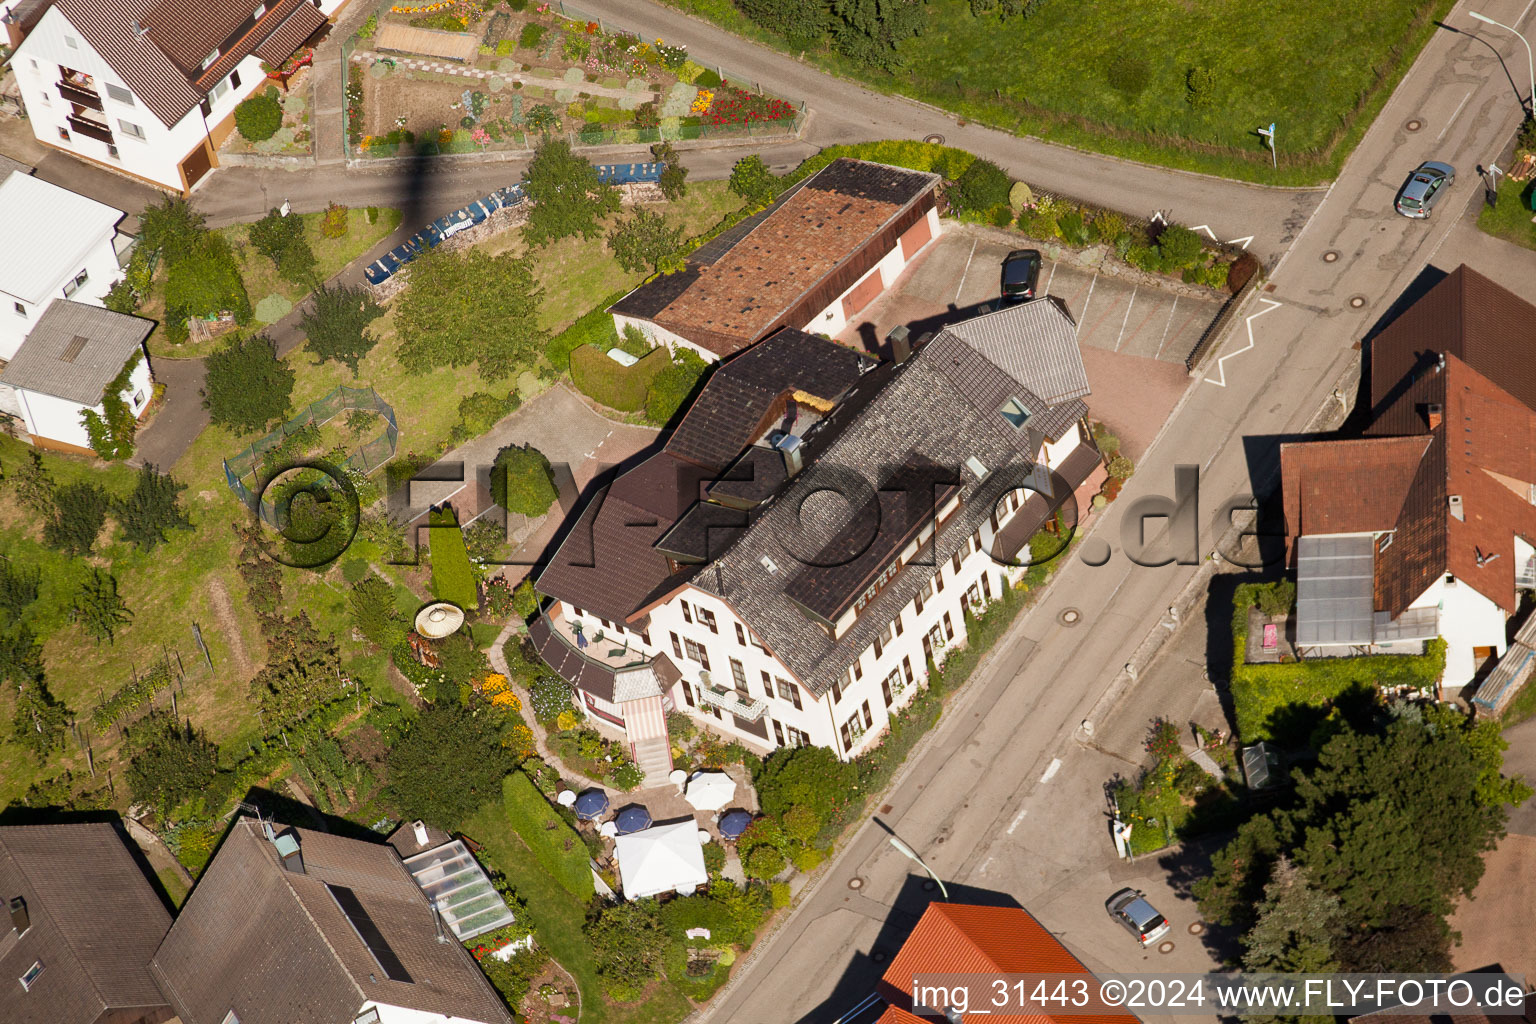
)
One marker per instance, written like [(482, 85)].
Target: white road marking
[(983, 869), (1084, 315), (1453, 116), (1127, 318), (1245, 240), (1051, 278), (1017, 818), (1207, 229), (1221, 364), (1166, 326), (1051, 770), (966, 271)]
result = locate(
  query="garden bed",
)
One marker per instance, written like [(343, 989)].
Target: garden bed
[(295, 136)]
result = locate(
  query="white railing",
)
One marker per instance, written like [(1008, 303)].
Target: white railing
[(1526, 575), (729, 700)]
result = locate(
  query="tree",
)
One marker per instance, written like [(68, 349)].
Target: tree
[(981, 187), (247, 385), (629, 943), (259, 117), (568, 197), (283, 241), (40, 721), (811, 777), (170, 227), (753, 181), (302, 674), (464, 307), (674, 175), (644, 240), (764, 862), (174, 764), (522, 481), (18, 589), (375, 614), (205, 281), (99, 606), (671, 387), (447, 741), (21, 659), (336, 324), (34, 487), (869, 31), (461, 660), (1293, 930), (802, 23), (801, 824), (525, 600), (151, 510), (79, 510), (1407, 941)]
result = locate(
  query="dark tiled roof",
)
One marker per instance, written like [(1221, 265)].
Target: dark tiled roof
[(75, 351), (285, 15), (276, 947), (730, 301), (26, 14), (188, 30), (752, 387), (286, 37), (152, 77), (753, 478), (95, 924)]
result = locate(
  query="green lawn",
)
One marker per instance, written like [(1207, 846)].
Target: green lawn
[(1319, 70), (1511, 220), (175, 888)]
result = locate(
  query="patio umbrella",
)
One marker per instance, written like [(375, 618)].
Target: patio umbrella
[(710, 791), (591, 804), (734, 823), (633, 818)]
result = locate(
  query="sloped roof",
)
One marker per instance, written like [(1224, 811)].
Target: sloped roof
[(953, 938), (276, 946), (150, 75), (60, 227), (1035, 343), (95, 924), (75, 351)]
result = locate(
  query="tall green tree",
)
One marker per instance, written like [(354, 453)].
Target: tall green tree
[(247, 385), (802, 23), (753, 181), (173, 763), (205, 281), (40, 720), (644, 240), (152, 509), (1294, 927), (283, 241), (809, 777), (469, 307), (568, 197), (447, 741), (629, 942), (79, 510), (375, 614), (522, 481), (100, 608), (336, 324), (674, 176), (18, 589), (869, 31), (170, 227)]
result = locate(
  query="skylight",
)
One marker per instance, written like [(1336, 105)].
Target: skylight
[(461, 891), (1015, 412)]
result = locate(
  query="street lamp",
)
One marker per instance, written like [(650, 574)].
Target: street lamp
[(911, 854), (1530, 60)]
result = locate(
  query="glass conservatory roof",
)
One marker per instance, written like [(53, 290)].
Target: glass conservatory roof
[(470, 905)]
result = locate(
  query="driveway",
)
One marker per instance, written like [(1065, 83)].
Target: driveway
[(179, 420)]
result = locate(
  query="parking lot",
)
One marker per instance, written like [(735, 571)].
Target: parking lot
[(1134, 338)]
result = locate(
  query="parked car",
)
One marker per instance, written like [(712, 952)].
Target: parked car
[(1140, 918), (1423, 189), (1021, 275)]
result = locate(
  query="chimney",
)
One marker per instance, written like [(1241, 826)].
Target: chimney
[(1436, 414), (789, 447), (1456, 510), (420, 828), (20, 919), (900, 342), (288, 849)]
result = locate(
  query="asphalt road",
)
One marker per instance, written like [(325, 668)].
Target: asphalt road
[(980, 801)]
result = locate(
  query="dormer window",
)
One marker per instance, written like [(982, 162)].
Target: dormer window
[(260, 10), (1015, 412), (30, 975), (208, 60)]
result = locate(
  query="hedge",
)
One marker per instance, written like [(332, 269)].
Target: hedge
[(1261, 692), (452, 578), (593, 328), (554, 844), (613, 384)]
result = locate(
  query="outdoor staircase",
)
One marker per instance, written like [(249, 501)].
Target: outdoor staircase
[(655, 759)]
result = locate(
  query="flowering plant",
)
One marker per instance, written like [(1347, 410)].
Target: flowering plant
[(482, 138), (737, 106), (702, 101)]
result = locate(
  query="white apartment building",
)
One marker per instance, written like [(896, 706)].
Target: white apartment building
[(724, 578), (826, 249), (149, 87)]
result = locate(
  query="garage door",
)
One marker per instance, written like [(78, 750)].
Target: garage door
[(863, 294), (915, 238), (197, 164)]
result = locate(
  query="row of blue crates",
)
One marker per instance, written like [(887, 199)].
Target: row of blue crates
[(448, 225)]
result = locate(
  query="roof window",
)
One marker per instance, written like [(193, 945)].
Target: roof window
[(1015, 412), (29, 977)]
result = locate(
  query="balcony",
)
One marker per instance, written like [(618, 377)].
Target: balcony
[(90, 129), (581, 655), (75, 94), (738, 704), (1525, 575)]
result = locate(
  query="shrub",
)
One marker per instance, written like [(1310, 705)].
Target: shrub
[(671, 387), (522, 481), (707, 79), (714, 859), (1038, 223), (806, 858), (812, 777), (1020, 196), (1275, 599), (764, 862), (1179, 247), (626, 775), (1002, 217), (259, 117), (550, 696), (1145, 257), (594, 328), (1241, 272), (481, 411), (369, 27), (1120, 467), (610, 383), (1129, 75), (1200, 86), (374, 611), (1071, 227), (505, 47), (453, 579), (525, 600), (554, 843), (1108, 226), (982, 186), (334, 223), (753, 181), (530, 35)]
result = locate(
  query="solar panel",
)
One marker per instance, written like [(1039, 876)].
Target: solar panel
[(369, 932)]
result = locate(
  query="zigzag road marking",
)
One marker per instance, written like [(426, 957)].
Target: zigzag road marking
[(1221, 364)]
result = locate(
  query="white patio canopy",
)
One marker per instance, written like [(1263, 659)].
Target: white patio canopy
[(661, 859), (711, 791)]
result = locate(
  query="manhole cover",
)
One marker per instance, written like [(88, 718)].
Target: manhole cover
[(1070, 617), (1414, 124), (1356, 301), (1331, 256), (1165, 947), (1197, 928), (934, 140), (855, 882)]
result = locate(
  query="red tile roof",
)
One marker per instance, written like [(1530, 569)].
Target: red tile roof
[(960, 939)]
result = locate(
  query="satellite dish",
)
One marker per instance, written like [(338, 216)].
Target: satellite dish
[(436, 621), (608, 829), (566, 798), (703, 837)]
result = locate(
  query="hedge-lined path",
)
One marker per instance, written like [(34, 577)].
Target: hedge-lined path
[(367, 57)]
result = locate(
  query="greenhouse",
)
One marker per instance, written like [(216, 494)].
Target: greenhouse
[(449, 875)]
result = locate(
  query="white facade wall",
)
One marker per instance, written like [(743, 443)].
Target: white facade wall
[(403, 1015), (659, 335), (96, 258), (59, 419), (1467, 620), (831, 321)]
